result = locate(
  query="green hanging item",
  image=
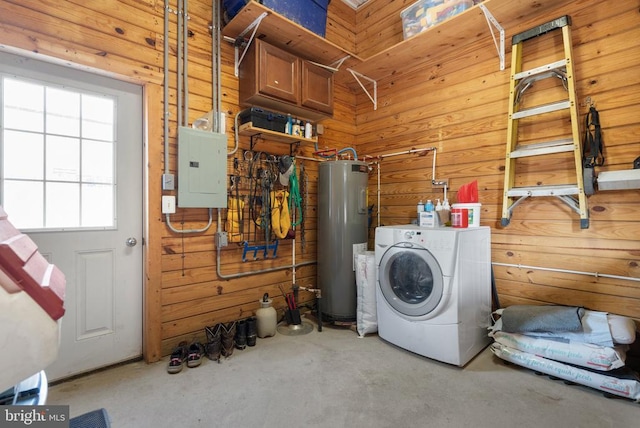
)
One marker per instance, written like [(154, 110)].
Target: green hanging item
[(295, 200)]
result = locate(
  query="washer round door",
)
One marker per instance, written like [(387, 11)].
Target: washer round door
[(410, 279)]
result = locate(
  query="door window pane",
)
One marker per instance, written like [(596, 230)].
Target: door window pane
[(63, 205), (63, 112), (23, 105), (97, 205), (58, 156), (97, 118), (24, 202), (97, 161), (23, 155), (63, 158)]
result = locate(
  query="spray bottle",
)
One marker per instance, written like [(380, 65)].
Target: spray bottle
[(428, 206), (289, 126)]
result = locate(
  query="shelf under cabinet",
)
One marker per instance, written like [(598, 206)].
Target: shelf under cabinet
[(247, 129)]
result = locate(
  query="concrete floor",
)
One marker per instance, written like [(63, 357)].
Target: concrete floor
[(335, 379)]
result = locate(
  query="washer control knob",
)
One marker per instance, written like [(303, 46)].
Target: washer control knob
[(408, 235)]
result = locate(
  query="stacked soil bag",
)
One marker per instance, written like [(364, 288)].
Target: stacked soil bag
[(570, 343)]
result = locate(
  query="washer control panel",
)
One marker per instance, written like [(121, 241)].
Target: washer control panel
[(432, 239)]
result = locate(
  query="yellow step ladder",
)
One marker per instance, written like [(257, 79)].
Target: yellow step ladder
[(572, 194)]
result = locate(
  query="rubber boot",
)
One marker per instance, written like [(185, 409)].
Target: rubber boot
[(252, 331), (214, 342), (241, 334), (228, 334)]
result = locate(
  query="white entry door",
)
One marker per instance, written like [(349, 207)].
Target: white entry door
[(71, 175)]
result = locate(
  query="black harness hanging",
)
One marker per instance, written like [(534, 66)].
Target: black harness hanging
[(592, 154)]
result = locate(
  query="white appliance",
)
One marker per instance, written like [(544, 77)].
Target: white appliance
[(433, 290)]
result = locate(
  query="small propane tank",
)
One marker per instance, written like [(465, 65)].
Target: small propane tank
[(266, 318)]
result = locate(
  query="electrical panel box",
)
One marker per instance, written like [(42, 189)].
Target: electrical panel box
[(202, 169)]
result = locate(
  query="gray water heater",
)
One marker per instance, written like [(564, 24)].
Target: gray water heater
[(342, 230)]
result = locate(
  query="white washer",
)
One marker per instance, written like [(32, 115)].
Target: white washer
[(433, 290)]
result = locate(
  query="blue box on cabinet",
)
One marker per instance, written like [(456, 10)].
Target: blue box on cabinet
[(232, 7), (311, 14)]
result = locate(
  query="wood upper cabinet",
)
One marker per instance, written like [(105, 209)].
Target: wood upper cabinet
[(278, 73), (273, 78), (316, 88)]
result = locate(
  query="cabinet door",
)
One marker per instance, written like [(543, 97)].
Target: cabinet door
[(278, 73), (317, 88)]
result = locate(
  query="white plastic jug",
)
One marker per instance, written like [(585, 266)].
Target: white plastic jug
[(266, 318)]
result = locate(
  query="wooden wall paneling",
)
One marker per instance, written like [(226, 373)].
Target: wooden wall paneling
[(591, 284), (42, 45), (89, 29), (614, 262), (151, 346), (379, 26), (126, 10), (206, 297), (543, 293), (459, 105), (463, 139), (341, 25), (409, 98)]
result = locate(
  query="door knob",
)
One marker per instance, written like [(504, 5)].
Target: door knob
[(131, 242)]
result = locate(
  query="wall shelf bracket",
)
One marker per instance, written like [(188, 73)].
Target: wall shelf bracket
[(358, 76), (239, 41), (334, 66), (255, 138), (492, 22)]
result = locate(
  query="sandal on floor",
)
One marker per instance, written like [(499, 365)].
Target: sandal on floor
[(177, 359), (194, 357)]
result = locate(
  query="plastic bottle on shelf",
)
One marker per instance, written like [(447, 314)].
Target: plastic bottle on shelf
[(308, 130), (439, 219), (289, 126), (420, 206), (428, 206), (446, 208), (296, 128)]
